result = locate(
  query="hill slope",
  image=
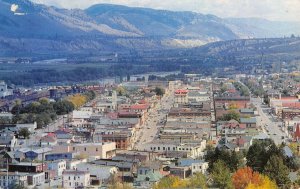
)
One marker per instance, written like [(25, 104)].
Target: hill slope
[(28, 28)]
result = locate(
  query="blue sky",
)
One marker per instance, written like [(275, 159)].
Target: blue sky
[(284, 10)]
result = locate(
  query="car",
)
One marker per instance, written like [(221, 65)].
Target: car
[(274, 134), (38, 184)]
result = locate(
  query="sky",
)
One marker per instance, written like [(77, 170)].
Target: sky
[(280, 10)]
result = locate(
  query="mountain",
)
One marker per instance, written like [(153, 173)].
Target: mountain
[(27, 28)]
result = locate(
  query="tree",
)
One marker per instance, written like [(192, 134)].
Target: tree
[(197, 181), (24, 132), (242, 177), (221, 175), (277, 171), (233, 159), (159, 91), (121, 91), (259, 153), (265, 183), (231, 115), (170, 182)]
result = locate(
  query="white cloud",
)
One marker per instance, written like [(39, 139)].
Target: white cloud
[(269, 9)]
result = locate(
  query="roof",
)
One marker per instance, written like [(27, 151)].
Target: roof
[(150, 176), (189, 162), (139, 106), (248, 120), (246, 110)]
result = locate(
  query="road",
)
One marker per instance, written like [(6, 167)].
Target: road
[(268, 123), (156, 116)]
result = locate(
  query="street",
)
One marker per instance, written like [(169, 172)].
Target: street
[(156, 117), (269, 125)]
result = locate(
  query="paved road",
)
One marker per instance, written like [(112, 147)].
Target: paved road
[(268, 123), (149, 131)]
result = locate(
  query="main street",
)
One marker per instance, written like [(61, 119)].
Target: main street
[(269, 125), (156, 118)]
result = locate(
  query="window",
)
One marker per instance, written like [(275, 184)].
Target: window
[(168, 148), (84, 148), (96, 149), (164, 148), (69, 178), (74, 178), (73, 148), (158, 148)]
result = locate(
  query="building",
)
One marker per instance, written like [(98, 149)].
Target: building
[(58, 165), (4, 90), (73, 179), (60, 156), (197, 166), (100, 150), (27, 167), (13, 177), (98, 172), (36, 179), (181, 96)]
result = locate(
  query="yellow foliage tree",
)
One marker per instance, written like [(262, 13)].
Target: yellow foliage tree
[(171, 182), (265, 183), (78, 100)]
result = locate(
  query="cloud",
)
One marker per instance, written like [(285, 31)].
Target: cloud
[(270, 9)]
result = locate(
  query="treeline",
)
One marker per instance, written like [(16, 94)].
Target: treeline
[(44, 112), (263, 159)]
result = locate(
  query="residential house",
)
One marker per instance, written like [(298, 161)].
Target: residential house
[(73, 179)]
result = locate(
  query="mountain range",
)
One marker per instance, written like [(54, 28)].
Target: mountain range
[(27, 28)]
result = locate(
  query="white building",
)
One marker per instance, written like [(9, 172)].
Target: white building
[(74, 179), (59, 166), (193, 149), (4, 91), (101, 172), (35, 179), (13, 177), (197, 166)]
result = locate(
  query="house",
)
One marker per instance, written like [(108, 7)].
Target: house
[(182, 172), (48, 140), (35, 179), (58, 165), (13, 177), (249, 122), (7, 140), (64, 136), (81, 118), (32, 153), (102, 173), (147, 177), (73, 179), (197, 166)]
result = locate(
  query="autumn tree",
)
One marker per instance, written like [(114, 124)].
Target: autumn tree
[(78, 100), (171, 182), (243, 176), (265, 183), (221, 175)]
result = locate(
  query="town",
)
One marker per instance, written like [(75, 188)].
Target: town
[(191, 131)]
